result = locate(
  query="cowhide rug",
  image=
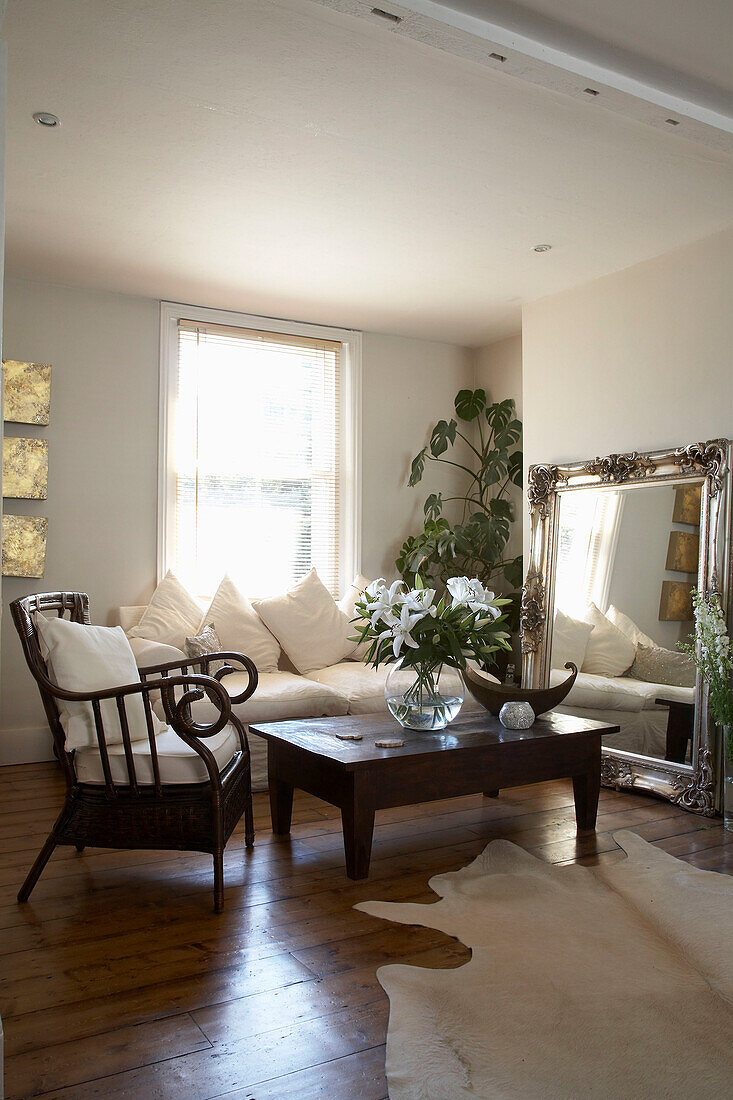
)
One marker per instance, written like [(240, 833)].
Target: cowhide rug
[(614, 981)]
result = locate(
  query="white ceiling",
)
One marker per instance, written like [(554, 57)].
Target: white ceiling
[(278, 157), (686, 42)]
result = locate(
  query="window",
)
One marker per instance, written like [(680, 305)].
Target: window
[(586, 549), (259, 426)]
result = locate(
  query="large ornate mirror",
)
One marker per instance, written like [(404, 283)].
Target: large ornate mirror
[(617, 545)]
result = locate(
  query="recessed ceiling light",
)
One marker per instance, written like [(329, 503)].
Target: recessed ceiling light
[(591, 91), (45, 118), (497, 57), (542, 247), (671, 121), (388, 15)]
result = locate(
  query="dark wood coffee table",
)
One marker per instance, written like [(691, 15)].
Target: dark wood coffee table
[(474, 754)]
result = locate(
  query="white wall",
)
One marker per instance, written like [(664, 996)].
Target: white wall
[(637, 360), (408, 385), (103, 458), (498, 370), (101, 503)]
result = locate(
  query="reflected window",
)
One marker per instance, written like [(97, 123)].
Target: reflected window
[(587, 540)]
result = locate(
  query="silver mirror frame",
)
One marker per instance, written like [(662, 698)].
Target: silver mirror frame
[(691, 786)]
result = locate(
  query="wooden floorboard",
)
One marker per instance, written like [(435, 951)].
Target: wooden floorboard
[(119, 981)]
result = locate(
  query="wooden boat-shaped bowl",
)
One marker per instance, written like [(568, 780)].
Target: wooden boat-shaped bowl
[(494, 696)]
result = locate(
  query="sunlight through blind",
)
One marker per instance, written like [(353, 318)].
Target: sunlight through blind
[(257, 453)]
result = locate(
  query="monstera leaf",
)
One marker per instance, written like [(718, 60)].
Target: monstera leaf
[(433, 506), (418, 468), (470, 403), (499, 415), (444, 433), (515, 468)]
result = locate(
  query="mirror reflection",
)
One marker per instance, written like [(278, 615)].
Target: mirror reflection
[(626, 562)]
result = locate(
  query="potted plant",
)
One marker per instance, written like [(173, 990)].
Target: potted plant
[(476, 544), (429, 641), (712, 655)]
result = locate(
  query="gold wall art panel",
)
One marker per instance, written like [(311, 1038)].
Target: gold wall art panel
[(25, 469), (687, 500), (675, 605), (683, 553), (24, 545), (27, 392)]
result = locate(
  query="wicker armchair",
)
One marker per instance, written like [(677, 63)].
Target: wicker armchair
[(125, 810)]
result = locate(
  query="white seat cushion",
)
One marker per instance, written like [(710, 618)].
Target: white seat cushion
[(178, 762), (308, 624), (360, 684), (279, 695), (170, 616)]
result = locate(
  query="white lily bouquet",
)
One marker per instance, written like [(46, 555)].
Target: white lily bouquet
[(424, 635)]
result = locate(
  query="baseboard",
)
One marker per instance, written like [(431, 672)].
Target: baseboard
[(30, 746)]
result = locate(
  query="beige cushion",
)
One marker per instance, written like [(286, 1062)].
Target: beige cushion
[(609, 651), (347, 604), (308, 624), (91, 658), (569, 640), (130, 616), (148, 654), (655, 665), (240, 628), (170, 616), (628, 627), (178, 762)]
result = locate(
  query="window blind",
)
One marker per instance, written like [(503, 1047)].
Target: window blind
[(257, 458), (588, 534)]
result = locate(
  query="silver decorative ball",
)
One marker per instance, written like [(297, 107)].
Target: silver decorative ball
[(516, 716)]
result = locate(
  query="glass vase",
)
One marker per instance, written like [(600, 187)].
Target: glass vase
[(424, 697), (728, 777)]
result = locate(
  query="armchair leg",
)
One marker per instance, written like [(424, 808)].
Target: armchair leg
[(249, 824), (218, 880), (35, 872)]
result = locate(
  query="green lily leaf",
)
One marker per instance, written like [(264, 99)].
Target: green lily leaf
[(470, 403)]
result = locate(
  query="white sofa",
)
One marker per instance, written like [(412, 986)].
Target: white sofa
[(348, 687)]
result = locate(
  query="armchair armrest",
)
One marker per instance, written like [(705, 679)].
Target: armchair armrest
[(205, 661)]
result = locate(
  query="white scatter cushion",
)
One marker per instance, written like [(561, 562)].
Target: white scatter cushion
[(178, 762), (308, 623), (91, 658), (148, 654), (569, 640), (171, 615), (628, 627), (240, 628), (609, 651), (348, 603), (130, 616)]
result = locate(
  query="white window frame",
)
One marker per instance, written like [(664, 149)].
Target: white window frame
[(350, 398)]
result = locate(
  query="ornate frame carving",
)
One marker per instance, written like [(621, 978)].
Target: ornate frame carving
[(691, 786)]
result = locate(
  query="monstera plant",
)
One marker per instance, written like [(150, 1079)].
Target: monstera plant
[(476, 545)]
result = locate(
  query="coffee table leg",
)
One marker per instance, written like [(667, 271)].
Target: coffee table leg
[(281, 806), (586, 789), (357, 820)]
